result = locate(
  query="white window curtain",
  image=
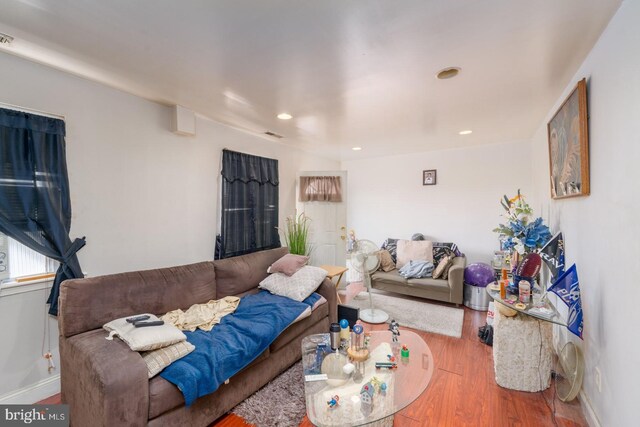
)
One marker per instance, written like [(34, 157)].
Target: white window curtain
[(320, 189)]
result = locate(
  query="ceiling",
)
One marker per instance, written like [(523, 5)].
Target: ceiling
[(352, 73)]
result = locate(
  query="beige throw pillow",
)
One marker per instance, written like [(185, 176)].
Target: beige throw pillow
[(147, 338), (442, 269), (445, 273), (157, 360), (298, 286), (386, 263), (409, 250)]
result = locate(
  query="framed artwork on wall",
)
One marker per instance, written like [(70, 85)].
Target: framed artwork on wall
[(568, 135), (429, 177)]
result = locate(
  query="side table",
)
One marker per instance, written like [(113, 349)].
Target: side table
[(522, 345), (335, 271), (522, 352)]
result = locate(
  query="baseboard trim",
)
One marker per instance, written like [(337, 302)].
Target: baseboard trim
[(587, 410), (33, 393)]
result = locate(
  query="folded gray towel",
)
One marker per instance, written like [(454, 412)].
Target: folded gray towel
[(416, 270)]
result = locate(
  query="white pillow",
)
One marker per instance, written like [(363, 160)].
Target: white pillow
[(297, 286), (412, 250), (147, 338)]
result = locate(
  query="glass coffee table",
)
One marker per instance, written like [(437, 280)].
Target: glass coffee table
[(378, 403)]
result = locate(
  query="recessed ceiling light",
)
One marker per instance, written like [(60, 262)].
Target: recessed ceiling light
[(465, 132), (285, 116), (5, 38), (357, 148), (448, 73)]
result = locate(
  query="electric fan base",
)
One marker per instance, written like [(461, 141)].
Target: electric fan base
[(373, 315)]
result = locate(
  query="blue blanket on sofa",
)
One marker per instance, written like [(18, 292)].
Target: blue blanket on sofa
[(234, 343)]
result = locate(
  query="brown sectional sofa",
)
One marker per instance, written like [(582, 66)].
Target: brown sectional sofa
[(106, 384), (449, 290)]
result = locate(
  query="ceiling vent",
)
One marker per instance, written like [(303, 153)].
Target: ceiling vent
[(448, 73), (5, 38), (275, 135)]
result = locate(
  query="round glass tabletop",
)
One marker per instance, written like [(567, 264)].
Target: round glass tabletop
[(368, 394)]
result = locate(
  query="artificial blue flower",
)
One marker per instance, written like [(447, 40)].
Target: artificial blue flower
[(509, 244), (518, 228), (536, 234), (523, 236)]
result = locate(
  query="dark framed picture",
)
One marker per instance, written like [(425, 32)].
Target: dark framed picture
[(429, 177), (568, 133)]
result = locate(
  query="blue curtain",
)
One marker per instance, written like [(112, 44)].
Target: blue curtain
[(35, 208), (249, 205)]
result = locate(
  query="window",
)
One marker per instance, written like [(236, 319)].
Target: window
[(35, 206), (17, 260), (249, 205)]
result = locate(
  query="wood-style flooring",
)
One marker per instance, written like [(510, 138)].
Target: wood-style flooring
[(463, 391)]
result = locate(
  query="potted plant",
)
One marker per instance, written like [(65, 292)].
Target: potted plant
[(296, 234)]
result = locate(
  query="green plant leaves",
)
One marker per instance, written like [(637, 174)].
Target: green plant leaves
[(296, 234)]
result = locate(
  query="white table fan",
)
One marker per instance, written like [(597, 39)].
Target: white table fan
[(365, 261)]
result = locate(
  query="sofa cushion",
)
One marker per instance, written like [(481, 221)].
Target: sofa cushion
[(164, 396), (144, 339), (297, 287), (391, 245), (442, 249), (87, 304), (159, 359), (409, 250), (392, 277), (237, 275), (288, 264), (442, 269), (386, 262), (321, 311), (437, 285)]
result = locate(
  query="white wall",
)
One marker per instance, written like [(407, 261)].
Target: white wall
[(23, 369), (387, 198), (142, 196), (602, 231)]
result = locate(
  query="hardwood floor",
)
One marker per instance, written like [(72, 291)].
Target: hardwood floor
[(463, 391)]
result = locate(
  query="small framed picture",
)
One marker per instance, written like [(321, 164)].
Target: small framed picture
[(429, 177)]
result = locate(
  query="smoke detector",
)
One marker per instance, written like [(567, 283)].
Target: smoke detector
[(5, 38)]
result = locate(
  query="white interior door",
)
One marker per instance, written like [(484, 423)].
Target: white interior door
[(328, 227)]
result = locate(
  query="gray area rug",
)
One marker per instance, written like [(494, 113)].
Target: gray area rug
[(278, 404), (416, 314)]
